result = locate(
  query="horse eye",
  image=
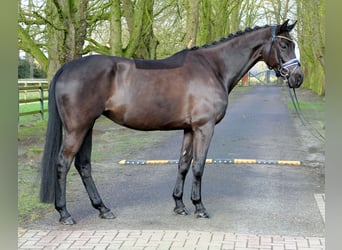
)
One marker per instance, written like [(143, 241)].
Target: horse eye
[(283, 46)]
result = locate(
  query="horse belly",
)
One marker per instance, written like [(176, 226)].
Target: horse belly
[(149, 100), (149, 113)]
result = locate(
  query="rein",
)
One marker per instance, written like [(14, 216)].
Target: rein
[(284, 71), (304, 121)]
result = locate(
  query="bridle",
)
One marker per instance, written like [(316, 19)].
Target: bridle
[(283, 68)]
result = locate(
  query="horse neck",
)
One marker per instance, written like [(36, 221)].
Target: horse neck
[(234, 58)]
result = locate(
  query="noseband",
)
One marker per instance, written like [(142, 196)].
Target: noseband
[(283, 68)]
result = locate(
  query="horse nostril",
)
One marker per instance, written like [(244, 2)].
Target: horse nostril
[(299, 80)]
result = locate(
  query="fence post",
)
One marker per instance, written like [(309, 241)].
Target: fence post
[(268, 76), (41, 88)]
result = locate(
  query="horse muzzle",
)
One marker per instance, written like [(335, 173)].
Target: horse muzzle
[(295, 79), (292, 73)]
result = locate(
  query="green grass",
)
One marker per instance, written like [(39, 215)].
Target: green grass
[(319, 106), (242, 88), (30, 137), (31, 94), (32, 130), (29, 207), (312, 111), (29, 107)]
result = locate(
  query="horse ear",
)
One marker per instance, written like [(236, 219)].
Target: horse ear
[(290, 27), (285, 27)]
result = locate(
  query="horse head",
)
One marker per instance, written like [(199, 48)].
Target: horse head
[(280, 55)]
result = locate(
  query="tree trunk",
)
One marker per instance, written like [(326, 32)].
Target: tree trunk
[(142, 42), (192, 10), (66, 31), (148, 42), (115, 29), (311, 33), (205, 34)]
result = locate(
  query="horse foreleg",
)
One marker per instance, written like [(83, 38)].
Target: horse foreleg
[(183, 168), (202, 138), (83, 166)]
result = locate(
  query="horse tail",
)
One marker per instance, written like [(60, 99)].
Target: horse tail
[(52, 146)]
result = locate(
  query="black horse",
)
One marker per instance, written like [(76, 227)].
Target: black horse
[(187, 91)]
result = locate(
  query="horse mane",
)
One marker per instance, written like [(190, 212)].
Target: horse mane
[(229, 37), (177, 60)]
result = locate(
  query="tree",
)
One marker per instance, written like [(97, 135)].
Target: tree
[(311, 39), (30, 32), (192, 17), (65, 31), (130, 25), (23, 69), (115, 29), (56, 31), (218, 18), (142, 42), (279, 10), (53, 32)]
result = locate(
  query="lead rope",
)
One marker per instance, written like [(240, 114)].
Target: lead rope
[(304, 121)]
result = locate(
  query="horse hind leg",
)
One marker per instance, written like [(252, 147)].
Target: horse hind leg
[(69, 147), (183, 168), (83, 166)]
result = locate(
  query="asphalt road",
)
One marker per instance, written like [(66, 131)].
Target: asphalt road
[(255, 199)]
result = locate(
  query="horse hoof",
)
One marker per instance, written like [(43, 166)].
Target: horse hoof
[(107, 215), (181, 211), (67, 221), (201, 215)]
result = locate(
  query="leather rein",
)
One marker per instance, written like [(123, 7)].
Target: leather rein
[(284, 72)]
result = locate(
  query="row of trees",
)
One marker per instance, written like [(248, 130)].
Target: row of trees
[(56, 31), (27, 69)]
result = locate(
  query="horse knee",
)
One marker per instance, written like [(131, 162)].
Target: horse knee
[(184, 163), (197, 170), (183, 169)]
